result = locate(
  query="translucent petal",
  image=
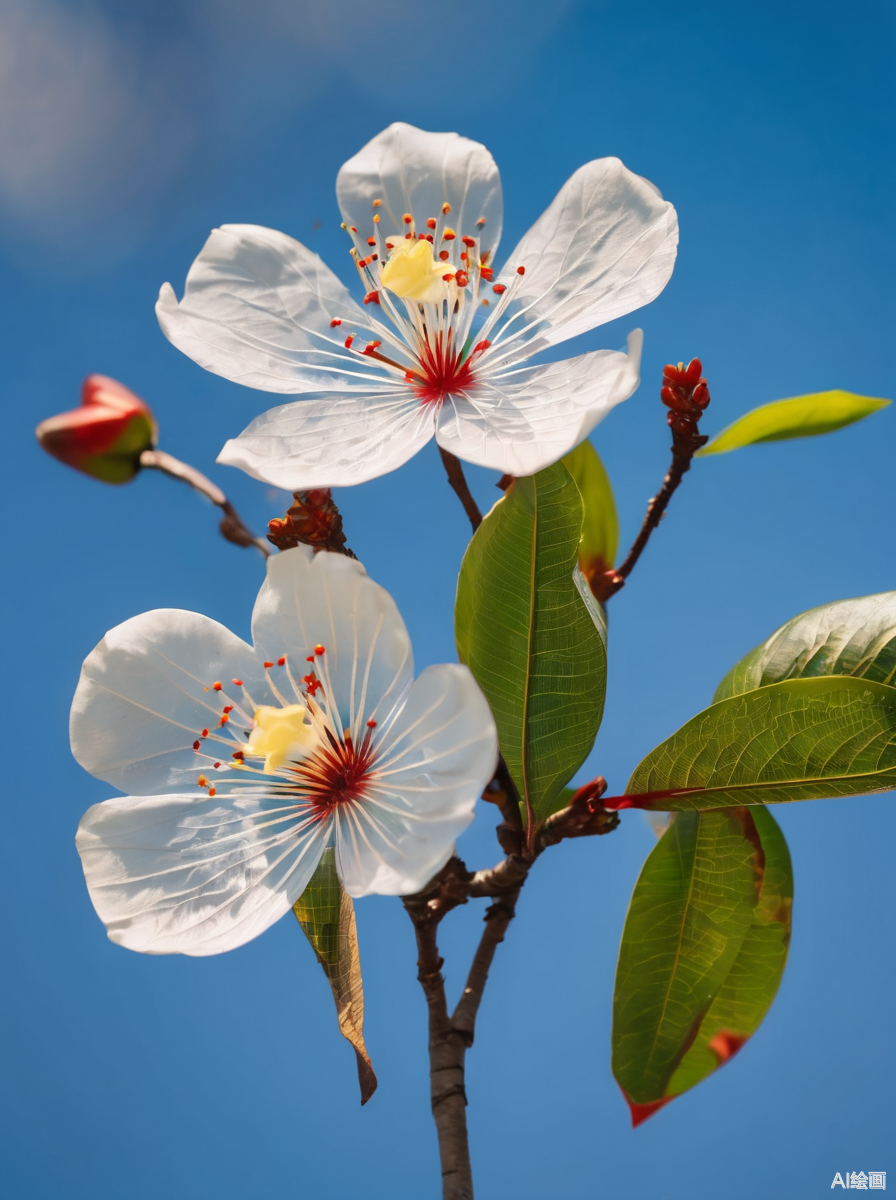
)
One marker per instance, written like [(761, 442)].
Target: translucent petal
[(195, 875), (257, 309), (604, 247), (329, 600), (331, 440), (523, 420), (433, 764), (416, 172), (146, 693)]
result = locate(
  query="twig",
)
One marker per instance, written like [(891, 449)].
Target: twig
[(502, 791), (685, 393), (458, 481), (232, 526), (497, 918)]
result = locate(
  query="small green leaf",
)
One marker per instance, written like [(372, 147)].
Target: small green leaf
[(327, 917), (600, 527), (532, 634), (803, 739), (801, 416), (849, 637), (752, 983), (689, 915), (703, 951)]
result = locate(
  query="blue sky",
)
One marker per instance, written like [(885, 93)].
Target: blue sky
[(126, 133)]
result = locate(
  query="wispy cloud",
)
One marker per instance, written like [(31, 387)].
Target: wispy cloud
[(85, 131), (104, 108)]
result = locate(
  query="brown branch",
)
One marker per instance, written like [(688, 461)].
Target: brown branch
[(232, 526), (685, 393), (497, 918), (450, 1038), (458, 481), (447, 1049), (502, 791)]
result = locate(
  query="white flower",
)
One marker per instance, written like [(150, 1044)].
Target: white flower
[(246, 763), (424, 356)]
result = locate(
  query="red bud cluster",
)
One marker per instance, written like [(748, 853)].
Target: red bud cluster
[(684, 388), (105, 437), (314, 520), (686, 395)]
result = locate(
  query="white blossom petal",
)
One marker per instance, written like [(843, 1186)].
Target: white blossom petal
[(146, 692), (416, 172), (433, 763), (521, 421), (331, 440), (604, 247), (329, 599), (195, 875), (257, 309)]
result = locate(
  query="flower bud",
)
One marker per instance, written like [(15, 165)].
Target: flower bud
[(105, 437), (313, 520)]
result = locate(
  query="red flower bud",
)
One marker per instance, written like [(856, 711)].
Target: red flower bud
[(693, 371), (105, 437)]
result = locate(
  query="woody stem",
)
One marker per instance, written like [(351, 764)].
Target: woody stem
[(232, 526), (458, 481), (447, 1050)]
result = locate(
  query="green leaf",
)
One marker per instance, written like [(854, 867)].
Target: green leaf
[(689, 915), (849, 637), (801, 416), (327, 917), (752, 983), (703, 952), (803, 739), (532, 634), (600, 527)]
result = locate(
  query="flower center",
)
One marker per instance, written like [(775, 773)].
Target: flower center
[(293, 751), (428, 285), (442, 372), (335, 774)]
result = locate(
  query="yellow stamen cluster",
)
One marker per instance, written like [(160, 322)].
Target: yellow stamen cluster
[(413, 274), (281, 735)]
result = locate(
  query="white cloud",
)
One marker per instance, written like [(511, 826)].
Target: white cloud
[(84, 131), (103, 110)]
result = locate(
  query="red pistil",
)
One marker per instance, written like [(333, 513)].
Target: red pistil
[(336, 774), (441, 374)]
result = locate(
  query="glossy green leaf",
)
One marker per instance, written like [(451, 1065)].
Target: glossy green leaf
[(532, 634), (752, 983), (703, 951), (600, 526), (803, 739), (801, 416), (327, 917), (690, 912), (849, 637)]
